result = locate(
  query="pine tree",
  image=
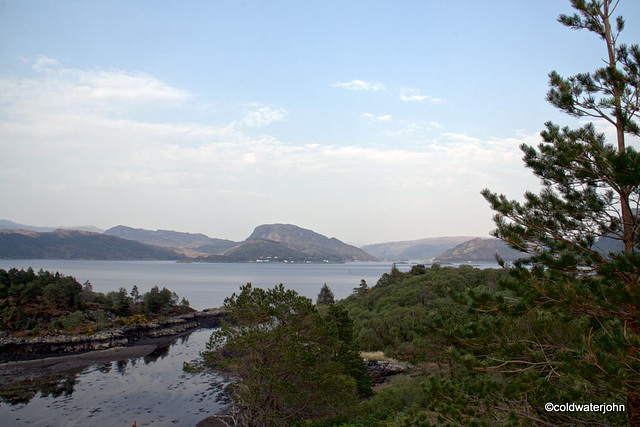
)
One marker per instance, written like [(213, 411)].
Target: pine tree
[(325, 297), (590, 194), (362, 289)]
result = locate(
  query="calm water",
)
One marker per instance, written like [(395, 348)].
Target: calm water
[(150, 390), (206, 284)]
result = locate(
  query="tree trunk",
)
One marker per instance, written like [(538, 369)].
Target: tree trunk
[(633, 408)]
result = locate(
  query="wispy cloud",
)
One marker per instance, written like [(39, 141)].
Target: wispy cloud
[(413, 95), (360, 85), (262, 115), (460, 137), (373, 117), (42, 63), (412, 128), (113, 89)]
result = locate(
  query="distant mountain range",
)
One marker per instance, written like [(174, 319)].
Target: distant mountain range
[(422, 249), (5, 224), (77, 244), (268, 243)]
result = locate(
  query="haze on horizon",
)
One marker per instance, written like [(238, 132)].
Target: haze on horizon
[(365, 121)]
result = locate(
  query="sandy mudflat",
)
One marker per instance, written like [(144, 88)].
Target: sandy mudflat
[(11, 372)]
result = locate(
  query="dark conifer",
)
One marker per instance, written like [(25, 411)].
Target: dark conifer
[(325, 297)]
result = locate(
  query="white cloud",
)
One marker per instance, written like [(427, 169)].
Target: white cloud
[(42, 63), (374, 118), (413, 95), (82, 92), (262, 116), (359, 85), (460, 137)]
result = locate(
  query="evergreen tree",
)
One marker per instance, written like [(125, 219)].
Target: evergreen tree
[(135, 294), (590, 193), (362, 289), (325, 297)]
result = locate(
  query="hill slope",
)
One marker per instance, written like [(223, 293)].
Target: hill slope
[(74, 244), (480, 250)]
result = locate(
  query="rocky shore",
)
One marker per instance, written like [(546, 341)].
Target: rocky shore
[(12, 348)]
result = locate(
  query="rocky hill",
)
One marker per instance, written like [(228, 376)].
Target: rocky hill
[(479, 250), (75, 244), (421, 249), (289, 243)]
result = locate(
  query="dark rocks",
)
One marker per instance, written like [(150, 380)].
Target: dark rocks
[(381, 370)]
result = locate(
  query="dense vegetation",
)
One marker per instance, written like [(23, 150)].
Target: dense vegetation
[(472, 363), (45, 302), (413, 315), (292, 363), (468, 360)]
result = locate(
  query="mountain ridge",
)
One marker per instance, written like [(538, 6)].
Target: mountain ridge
[(77, 244), (197, 243), (6, 224)]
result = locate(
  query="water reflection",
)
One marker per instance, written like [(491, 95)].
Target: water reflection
[(62, 383), (151, 390), (53, 385)]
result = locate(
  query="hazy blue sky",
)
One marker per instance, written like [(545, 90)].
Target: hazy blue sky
[(368, 121)]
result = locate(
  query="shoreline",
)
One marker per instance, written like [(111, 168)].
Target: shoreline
[(24, 349), (26, 370), (17, 371)]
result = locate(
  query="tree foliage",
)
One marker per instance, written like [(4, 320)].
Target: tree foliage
[(417, 315), (291, 362), (590, 196)]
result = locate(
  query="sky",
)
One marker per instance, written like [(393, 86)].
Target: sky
[(368, 121)]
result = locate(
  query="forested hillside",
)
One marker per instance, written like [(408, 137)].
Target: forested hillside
[(459, 329)]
